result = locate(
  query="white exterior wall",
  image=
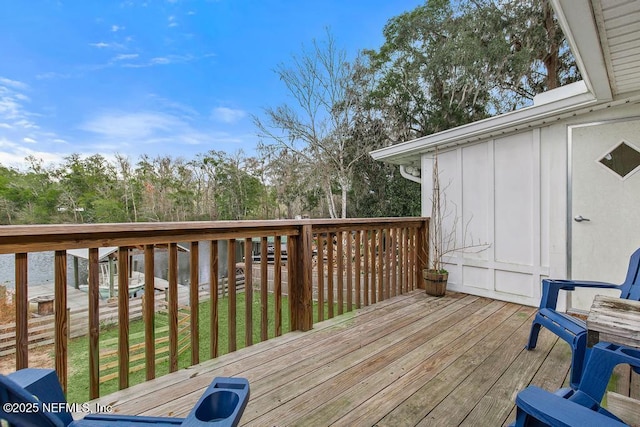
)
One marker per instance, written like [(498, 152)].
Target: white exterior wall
[(510, 192)]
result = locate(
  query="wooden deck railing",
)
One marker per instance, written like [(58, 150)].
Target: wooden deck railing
[(334, 264)]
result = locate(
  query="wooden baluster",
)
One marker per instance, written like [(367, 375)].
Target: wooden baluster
[(248, 294), (320, 269), (412, 258), (403, 284), (264, 290), (292, 278), (340, 271), (330, 273), (393, 253), (373, 265), (365, 250), (61, 320), (213, 293), (22, 311), (404, 261), (387, 263), (173, 307), (123, 317), (401, 289), (194, 302), (231, 283), (407, 250), (423, 249), (381, 295), (358, 243), (349, 270), (277, 285), (94, 323), (149, 312)]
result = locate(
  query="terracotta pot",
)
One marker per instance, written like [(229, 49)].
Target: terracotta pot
[(435, 283)]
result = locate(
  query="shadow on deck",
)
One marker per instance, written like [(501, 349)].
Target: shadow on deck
[(409, 360)]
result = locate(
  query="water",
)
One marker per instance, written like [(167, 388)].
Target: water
[(41, 266)]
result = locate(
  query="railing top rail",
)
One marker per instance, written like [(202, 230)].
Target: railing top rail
[(32, 238)]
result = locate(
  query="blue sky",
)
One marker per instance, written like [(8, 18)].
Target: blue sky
[(157, 77)]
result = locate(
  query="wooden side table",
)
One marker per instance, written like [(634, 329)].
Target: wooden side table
[(614, 320), (617, 321)]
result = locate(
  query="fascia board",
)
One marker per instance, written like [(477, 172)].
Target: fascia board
[(577, 20)]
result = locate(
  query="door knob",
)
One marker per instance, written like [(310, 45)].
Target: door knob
[(580, 219)]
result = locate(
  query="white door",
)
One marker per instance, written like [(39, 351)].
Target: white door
[(605, 203)]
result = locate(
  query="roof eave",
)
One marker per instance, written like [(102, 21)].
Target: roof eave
[(578, 22)]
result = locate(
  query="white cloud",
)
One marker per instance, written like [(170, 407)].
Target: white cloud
[(228, 115), (129, 131), (125, 56), (103, 45), (172, 22), (27, 124), (13, 113), (131, 126), (9, 107), (52, 75), (21, 97), (160, 60), (116, 28), (13, 155), (14, 84), (172, 107), (20, 134)]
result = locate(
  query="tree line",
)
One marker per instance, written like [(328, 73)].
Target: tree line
[(444, 64)]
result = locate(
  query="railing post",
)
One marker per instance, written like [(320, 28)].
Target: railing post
[(300, 279), (422, 251)]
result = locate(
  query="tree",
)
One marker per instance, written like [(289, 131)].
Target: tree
[(238, 194), (446, 63), (168, 188), (129, 187), (316, 126), (89, 190), (30, 197)]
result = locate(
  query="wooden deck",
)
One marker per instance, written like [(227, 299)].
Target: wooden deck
[(410, 360)]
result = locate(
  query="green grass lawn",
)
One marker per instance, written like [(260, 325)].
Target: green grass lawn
[(78, 381)]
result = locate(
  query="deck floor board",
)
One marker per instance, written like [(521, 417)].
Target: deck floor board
[(409, 360)]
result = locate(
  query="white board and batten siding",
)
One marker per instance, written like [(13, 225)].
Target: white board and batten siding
[(513, 192), (497, 190)]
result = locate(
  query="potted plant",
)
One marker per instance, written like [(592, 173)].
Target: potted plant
[(435, 276), (442, 240)]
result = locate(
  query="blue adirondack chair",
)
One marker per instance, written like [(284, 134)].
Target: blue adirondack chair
[(572, 329), (581, 407), (33, 398)]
